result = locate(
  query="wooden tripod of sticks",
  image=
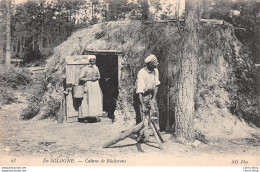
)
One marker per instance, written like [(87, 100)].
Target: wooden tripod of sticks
[(142, 128)]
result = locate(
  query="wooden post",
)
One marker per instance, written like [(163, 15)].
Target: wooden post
[(158, 133), (120, 60), (157, 137), (62, 110)]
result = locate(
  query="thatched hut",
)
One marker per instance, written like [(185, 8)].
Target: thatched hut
[(225, 69)]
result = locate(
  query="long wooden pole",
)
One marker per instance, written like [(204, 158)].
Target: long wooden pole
[(124, 135)]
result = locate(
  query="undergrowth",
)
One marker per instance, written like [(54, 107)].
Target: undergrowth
[(14, 77), (35, 100), (7, 96), (11, 80), (33, 57), (53, 106)]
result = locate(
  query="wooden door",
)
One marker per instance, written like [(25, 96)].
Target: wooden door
[(73, 69)]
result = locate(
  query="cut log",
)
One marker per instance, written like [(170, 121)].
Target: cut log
[(124, 135)]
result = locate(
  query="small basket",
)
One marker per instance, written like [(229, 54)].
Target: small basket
[(78, 91)]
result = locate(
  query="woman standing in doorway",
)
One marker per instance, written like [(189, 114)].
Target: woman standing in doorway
[(94, 97)]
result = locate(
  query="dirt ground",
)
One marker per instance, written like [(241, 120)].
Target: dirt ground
[(46, 138)]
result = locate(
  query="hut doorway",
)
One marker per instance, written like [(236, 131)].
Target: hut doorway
[(109, 63), (108, 67)]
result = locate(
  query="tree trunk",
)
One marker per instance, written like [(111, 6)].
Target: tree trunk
[(41, 40), (184, 111), (170, 98), (48, 38), (24, 42), (12, 47), (8, 35), (58, 41), (33, 43), (16, 46), (2, 43), (2, 39), (20, 46), (92, 12)]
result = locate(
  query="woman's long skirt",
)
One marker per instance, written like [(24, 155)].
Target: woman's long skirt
[(93, 99)]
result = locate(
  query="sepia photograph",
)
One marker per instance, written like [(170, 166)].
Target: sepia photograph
[(129, 83)]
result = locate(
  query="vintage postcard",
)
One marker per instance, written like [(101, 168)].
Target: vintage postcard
[(130, 83)]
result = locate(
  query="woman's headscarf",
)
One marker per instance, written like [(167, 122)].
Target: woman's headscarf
[(91, 57)]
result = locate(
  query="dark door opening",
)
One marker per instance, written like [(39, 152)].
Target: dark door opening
[(108, 67)]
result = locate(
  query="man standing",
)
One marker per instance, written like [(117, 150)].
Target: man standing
[(146, 89)]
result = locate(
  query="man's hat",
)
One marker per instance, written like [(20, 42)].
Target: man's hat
[(150, 58)]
